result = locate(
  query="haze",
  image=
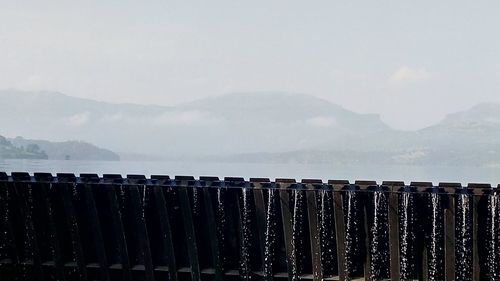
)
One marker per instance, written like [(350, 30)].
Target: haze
[(411, 62)]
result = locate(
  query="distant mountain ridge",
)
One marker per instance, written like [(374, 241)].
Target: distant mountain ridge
[(11, 151), (252, 127), (69, 150), (222, 125)]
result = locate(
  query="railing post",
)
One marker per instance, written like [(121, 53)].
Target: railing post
[(312, 187), (338, 185), (244, 223), (53, 259), (284, 193), (118, 231), (95, 229), (138, 197), (393, 207), (369, 187), (478, 190), (210, 184), (67, 187), (476, 269), (449, 228), (260, 215), (422, 249), (9, 255), (165, 227), (181, 184), (31, 262)]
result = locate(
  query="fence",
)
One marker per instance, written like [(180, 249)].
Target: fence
[(137, 228)]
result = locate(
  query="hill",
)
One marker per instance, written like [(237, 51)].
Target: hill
[(229, 124), (68, 150), (248, 127), (466, 138), (10, 151)]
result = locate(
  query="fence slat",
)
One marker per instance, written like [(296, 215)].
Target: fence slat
[(138, 206), (476, 269), (190, 233), (287, 231), (394, 234), (449, 238), (67, 190), (260, 217), (118, 230), (212, 233), (368, 260), (341, 235), (9, 246), (165, 228), (314, 234), (95, 228), (244, 223), (46, 191), (24, 192)]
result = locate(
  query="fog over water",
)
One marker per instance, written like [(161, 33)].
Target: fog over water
[(297, 171), (413, 63), (285, 88)]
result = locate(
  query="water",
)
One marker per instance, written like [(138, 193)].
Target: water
[(246, 232), (352, 240), (327, 233), (196, 202), (435, 258), (221, 226), (28, 227), (492, 244), (74, 233), (270, 234), (379, 247), (145, 200), (435, 174), (406, 234), (463, 238), (299, 206)]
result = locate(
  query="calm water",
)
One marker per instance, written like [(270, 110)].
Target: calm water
[(292, 170)]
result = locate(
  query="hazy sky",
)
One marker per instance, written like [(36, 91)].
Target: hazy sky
[(410, 61)]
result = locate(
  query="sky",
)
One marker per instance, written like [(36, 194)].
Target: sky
[(412, 62)]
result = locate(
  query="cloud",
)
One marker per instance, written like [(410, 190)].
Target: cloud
[(163, 119), (406, 75), (321, 121), (79, 119), (188, 118)]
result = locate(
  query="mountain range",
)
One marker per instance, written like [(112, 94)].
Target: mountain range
[(68, 150), (262, 127), (10, 151), (20, 148)]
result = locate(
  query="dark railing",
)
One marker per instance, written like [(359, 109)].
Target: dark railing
[(136, 228)]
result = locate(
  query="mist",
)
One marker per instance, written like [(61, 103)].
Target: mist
[(402, 84), (411, 63)]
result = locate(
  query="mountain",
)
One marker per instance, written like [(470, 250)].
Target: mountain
[(10, 151), (469, 137), (229, 124), (466, 138), (68, 150), (248, 127), (283, 109)]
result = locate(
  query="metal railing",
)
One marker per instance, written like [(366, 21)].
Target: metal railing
[(66, 227)]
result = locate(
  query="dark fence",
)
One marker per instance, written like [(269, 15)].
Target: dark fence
[(158, 228)]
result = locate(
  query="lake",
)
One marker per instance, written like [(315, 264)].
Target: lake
[(436, 174)]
